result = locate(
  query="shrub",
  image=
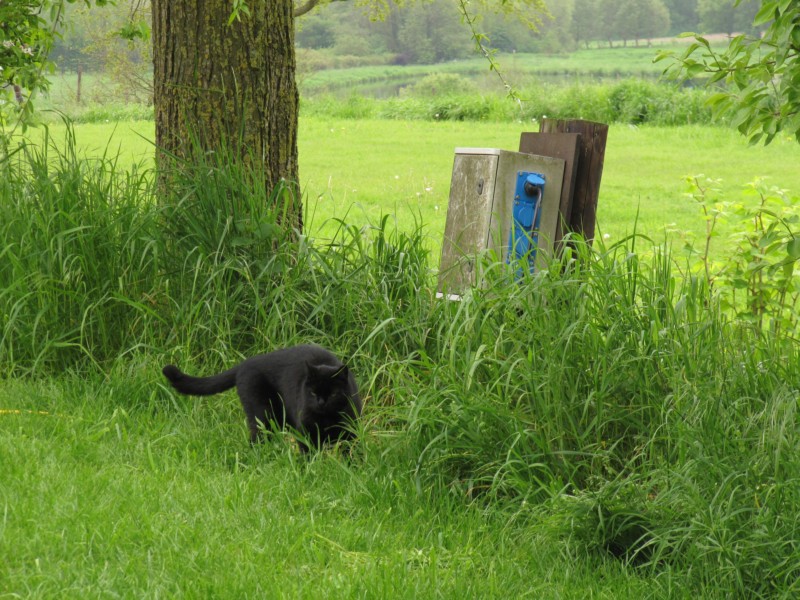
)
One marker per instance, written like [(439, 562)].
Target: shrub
[(440, 97), (442, 84)]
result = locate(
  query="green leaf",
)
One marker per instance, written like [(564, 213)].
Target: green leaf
[(788, 270), (695, 70), (267, 231), (795, 35), (663, 54), (766, 13), (717, 98), (793, 248)]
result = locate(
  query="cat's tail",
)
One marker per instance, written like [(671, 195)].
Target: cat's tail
[(200, 386)]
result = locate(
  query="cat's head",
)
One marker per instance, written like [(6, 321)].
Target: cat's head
[(332, 388)]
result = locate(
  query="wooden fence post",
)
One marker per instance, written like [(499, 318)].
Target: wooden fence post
[(80, 76)]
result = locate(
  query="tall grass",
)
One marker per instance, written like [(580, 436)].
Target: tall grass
[(607, 391), (80, 252)]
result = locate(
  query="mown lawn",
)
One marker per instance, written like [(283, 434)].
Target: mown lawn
[(112, 488)]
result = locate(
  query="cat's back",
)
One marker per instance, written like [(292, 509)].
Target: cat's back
[(291, 360), (316, 354), (300, 354)]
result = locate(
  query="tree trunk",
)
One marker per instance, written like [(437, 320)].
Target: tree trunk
[(228, 85)]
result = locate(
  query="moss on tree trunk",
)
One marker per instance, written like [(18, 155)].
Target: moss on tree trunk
[(228, 84)]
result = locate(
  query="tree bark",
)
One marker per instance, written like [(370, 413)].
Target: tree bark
[(228, 85)]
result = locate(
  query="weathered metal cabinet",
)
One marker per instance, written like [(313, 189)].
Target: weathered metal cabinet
[(480, 210)]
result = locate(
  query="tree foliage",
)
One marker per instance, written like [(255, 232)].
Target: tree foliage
[(114, 41), (28, 29), (420, 32), (682, 15), (758, 77), (610, 20), (583, 20), (726, 16), (641, 19)]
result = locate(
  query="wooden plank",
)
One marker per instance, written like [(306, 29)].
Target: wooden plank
[(559, 145), (589, 171)]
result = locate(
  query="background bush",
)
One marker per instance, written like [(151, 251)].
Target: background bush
[(442, 97)]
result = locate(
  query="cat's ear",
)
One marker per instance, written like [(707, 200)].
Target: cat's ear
[(322, 372)]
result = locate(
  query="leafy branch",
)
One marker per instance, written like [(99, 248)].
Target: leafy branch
[(756, 76), (481, 41), (28, 28), (759, 279), (530, 12)]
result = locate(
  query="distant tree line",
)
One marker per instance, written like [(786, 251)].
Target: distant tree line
[(637, 20), (428, 32), (419, 32)]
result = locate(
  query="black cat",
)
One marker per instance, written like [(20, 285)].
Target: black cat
[(305, 387)]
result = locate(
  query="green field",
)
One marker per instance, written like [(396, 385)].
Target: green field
[(520, 70), (360, 170)]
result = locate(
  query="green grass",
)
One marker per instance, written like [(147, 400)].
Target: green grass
[(604, 428), (362, 169), (520, 69), (643, 173), (123, 489), (632, 101), (63, 92)]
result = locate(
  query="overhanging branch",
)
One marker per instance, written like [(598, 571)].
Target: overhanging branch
[(303, 9), (309, 6)]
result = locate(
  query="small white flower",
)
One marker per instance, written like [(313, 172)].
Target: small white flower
[(435, 207), (27, 50), (7, 43), (428, 189), (606, 236)]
